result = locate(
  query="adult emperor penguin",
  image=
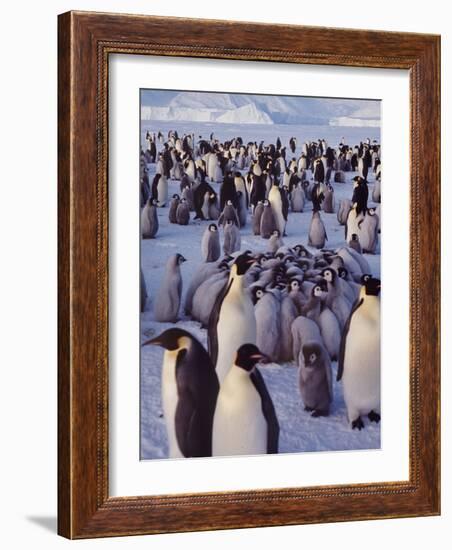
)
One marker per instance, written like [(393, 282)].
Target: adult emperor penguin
[(173, 208), (278, 208), (359, 360), (232, 321), (160, 189), (149, 220), (167, 301), (315, 379), (256, 218), (189, 393), (210, 244), (245, 421)]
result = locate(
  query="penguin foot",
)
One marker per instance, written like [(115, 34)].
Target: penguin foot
[(374, 417), (308, 409), (317, 413), (358, 423)]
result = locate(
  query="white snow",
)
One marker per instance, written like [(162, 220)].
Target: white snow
[(299, 431)]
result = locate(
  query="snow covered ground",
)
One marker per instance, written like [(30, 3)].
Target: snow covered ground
[(299, 431)]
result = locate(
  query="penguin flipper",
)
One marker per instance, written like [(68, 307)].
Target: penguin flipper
[(340, 363), (269, 412)]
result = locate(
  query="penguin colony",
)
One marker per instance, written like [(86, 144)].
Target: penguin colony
[(307, 305)]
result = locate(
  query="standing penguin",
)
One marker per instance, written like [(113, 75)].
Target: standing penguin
[(328, 202), (173, 208), (183, 213), (279, 209), (232, 321), (359, 360), (354, 243), (256, 218), (167, 302), (315, 379), (232, 239), (275, 242), (245, 421), (242, 209), (297, 198), (189, 393), (210, 244), (317, 232), (149, 220), (267, 310), (229, 213), (268, 223)]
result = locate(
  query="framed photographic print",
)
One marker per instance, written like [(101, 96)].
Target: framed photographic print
[(248, 275)]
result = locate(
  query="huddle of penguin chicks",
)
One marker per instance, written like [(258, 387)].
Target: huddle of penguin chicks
[(278, 307)]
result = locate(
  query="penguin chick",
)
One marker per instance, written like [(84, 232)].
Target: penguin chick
[(354, 243), (149, 220), (256, 218), (167, 302), (175, 201), (267, 310), (268, 223), (232, 239), (183, 213), (317, 233), (275, 242), (245, 421), (315, 379), (189, 393), (210, 244)]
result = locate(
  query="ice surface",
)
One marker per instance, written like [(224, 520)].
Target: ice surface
[(299, 431)]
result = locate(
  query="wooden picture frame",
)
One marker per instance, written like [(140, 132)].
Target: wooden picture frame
[(85, 42)]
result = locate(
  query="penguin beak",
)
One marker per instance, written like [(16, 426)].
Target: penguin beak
[(260, 358), (153, 341)]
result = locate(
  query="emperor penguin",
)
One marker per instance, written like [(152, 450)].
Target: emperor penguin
[(167, 301), (328, 202), (315, 379), (317, 232), (232, 239), (245, 421), (160, 189), (242, 209), (175, 201), (149, 220), (297, 198), (189, 393), (279, 211), (355, 244), (368, 232), (183, 213), (304, 331), (267, 310), (268, 222), (275, 242), (203, 272), (210, 244), (232, 321), (289, 313), (256, 218), (229, 213), (359, 360), (205, 297)]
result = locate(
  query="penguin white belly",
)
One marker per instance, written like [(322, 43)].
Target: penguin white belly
[(275, 200), (352, 224), (361, 376), (236, 326), (239, 426), (145, 223), (162, 191), (169, 401)]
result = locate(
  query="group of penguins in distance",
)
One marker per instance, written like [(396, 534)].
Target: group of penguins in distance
[(285, 304)]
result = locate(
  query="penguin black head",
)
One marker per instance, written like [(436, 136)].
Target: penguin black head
[(342, 272), (371, 284), (257, 293), (294, 284), (319, 289), (170, 339), (176, 196), (243, 263), (153, 202), (311, 354), (213, 227), (329, 274), (355, 237), (180, 259), (248, 355)]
